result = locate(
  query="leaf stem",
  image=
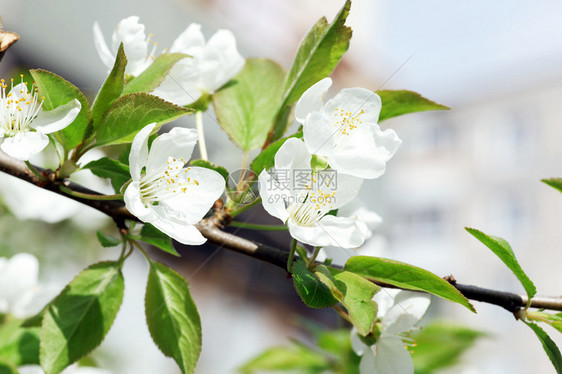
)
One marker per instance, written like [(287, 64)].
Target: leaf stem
[(255, 226), (134, 243), (200, 131), (342, 313), (312, 259), (89, 196), (236, 212), (291, 256), (36, 172)]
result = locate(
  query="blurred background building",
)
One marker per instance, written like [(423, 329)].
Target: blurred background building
[(497, 65)]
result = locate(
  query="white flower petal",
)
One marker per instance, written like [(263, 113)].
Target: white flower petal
[(357, 344), (344, 231), (346, 187), (138, 157), (319, 134), (365, 152), (312, 99), (190, 41), (292, 155), (357, 101), (131, 33), (408, 308), (19, 91), (105, 54), (390, 356), (271, 196), (135, 205), (24, 145), (18, 275), (198, 198), (33, 300), (219, 61), (30, 369), (334, 231), (177, 144), (58, 118), (181, 85), (368, 364), (385, 300), (181, 232), (28, 201)]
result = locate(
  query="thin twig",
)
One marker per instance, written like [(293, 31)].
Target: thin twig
[(275, 256)]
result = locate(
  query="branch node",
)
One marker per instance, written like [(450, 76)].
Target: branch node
[(450, 279)]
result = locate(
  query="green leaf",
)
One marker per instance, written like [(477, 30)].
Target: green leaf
[(312, 291), (554, 183), (266, 159), (295, 357), (246, 108), (18, 345), (80, 317), (58, 91), (440, 345), (503, 250), (7, 368), (549, 346), (106, 167), (151, 78), (131, 113), (405, 276), (172, 317), (355, 293), (318, 54), (209, 165), (397, 103), (152, 235), (107, 241), (554, 320), (112, 87)]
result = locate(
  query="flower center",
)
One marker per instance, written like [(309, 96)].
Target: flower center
[(314, 206), (18, 109), (346, 122), (164, 184)]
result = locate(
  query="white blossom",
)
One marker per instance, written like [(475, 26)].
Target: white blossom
[(375, 244), (29, 202), (399, 311), (214, 63), (24, 124), (163, 192), (135, 45), (304, 208), (344, 130), (21, 295)]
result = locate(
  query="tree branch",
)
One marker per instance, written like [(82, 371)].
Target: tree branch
[(210, 229)]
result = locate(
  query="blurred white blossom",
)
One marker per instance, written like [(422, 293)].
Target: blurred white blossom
[(399, 311), (214, 63), (21, 295), (27, 201), (211, 64), (135, 44)]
